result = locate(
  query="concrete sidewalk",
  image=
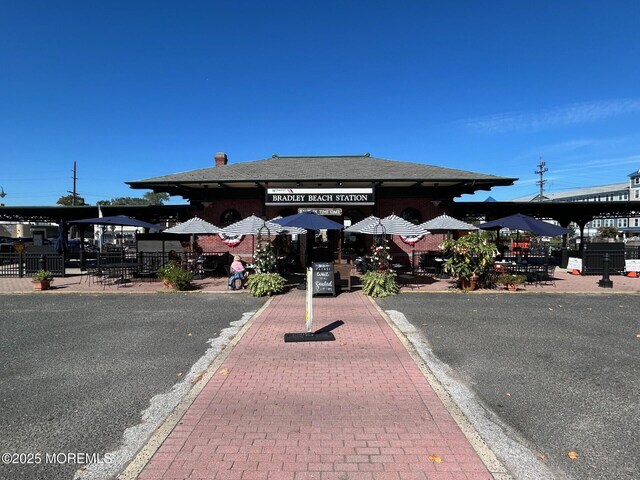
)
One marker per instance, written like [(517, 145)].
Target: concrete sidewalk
[(353, 409), (82, 283), (564, 283)]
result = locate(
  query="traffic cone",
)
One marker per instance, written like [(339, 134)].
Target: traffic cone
[(575, 271), (632, 274)]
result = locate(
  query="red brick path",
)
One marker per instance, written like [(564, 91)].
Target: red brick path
[(354, 409)]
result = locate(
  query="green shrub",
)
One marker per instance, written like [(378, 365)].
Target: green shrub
[(468, 256), (176, 276), (41, 275), (380, 284), (510, 279), (265, 284)]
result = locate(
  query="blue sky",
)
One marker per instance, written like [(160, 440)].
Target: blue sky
[(131, 90)]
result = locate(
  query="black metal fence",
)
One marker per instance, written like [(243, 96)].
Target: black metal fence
[(593, 256), (26, 264), (23, 264)]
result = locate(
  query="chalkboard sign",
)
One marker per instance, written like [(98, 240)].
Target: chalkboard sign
[(323, 278)]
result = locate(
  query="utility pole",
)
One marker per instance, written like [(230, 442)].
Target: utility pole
[(74, 194), (541, 171)]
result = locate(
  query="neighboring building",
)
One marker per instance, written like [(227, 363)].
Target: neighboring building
[(347, 188), (616, 192)]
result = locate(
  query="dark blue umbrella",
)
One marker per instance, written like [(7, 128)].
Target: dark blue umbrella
[(526, 224), (120, 220), (61, 241), (309, 221)]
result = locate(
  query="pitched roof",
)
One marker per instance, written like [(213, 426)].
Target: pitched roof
[(577, 192), (319, 168)]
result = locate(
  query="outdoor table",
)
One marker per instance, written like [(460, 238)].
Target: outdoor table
[(119, 272)]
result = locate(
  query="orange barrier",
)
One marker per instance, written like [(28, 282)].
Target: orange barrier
[(632, 274), (575, 272)]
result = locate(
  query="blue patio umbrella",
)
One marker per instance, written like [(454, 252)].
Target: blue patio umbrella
[(526, 224), (309, 221), (120, 220)]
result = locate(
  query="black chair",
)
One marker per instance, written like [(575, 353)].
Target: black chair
[(548, 275), (209, 266)]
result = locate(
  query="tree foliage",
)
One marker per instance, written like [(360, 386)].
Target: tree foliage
[(607, 232), (67, 200), (149, 198)]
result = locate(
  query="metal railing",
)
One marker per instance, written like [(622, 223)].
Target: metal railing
[(19, 265), (26, 264)]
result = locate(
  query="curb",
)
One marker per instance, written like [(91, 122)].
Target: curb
[(493, 464), (142, 458)]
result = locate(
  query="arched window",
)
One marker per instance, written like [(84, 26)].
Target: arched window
[(228, 217), (411, 215)]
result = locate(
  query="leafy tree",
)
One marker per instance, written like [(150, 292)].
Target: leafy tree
[(607, 232), (149, 198), (156, 198), (67, 200)]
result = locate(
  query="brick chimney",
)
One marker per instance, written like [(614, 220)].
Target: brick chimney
[(221, 159)]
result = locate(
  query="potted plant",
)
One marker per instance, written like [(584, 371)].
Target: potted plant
[(380, 281), (511, 281), (176, 277), (42, 279), (469, 259), (266, 281)]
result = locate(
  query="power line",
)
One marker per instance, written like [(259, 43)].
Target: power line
[(541, 171)]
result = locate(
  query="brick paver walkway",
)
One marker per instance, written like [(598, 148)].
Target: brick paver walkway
[(354, 409)]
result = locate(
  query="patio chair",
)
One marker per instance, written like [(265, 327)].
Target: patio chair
[(548, 275), (209, 266), (344, 270), (429, 265)]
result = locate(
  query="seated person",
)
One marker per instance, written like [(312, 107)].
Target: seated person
[(236, 271), (174, 256)]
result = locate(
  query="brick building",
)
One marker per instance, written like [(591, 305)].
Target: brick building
[(347, 188)]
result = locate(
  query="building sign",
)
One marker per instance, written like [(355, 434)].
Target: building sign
[(321, 211), (319, 196)]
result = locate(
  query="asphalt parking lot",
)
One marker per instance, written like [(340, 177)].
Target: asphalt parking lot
[(77, 370), (560, 370)]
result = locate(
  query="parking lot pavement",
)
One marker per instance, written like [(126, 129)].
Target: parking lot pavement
[(77, 370), (561, 371)]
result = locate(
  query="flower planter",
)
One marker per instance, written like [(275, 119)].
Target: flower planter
[(41, 284), (469, 284)]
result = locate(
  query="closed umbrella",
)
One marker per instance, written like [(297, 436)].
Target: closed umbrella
[(61, 241)]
